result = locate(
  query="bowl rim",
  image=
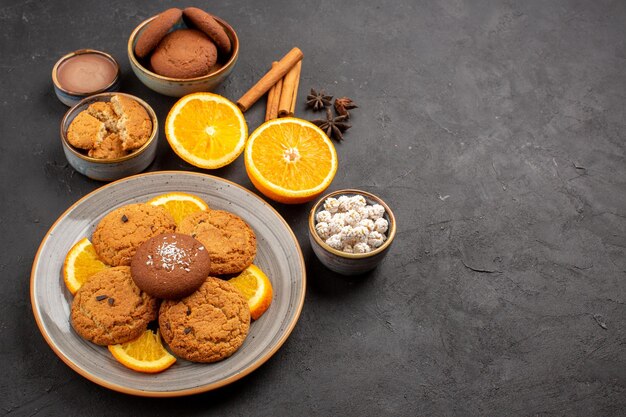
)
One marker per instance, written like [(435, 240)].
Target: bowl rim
[(55, 68), (230, 32), (97, 97), (391, 233)]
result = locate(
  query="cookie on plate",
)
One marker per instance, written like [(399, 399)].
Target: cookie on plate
[(109, 308), (170, 265), (207, 326), (123, 230), (230, 241)]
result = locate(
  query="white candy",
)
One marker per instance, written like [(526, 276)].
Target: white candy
[(358, 201), (369, 223), (375, 239), (336, 223), (361, 248), (345, 234), (352, 218), (375, 211), (323, 216), (334, 242), (351, 225), (363, 212), (331, 205), (360, 233), (381, 225), (323, 230), (339, 218), (344, 203)]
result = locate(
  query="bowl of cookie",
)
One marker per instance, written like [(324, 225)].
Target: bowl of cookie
[(351, 231), (109, 136), (179, 52)]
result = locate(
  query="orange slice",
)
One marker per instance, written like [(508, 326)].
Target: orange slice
[(179, 205), (290, 160), (81, 262), (145, 354), (256, 288), (206, 130)]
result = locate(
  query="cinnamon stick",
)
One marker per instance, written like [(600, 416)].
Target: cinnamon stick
[(275, 102), (290, 88), (273, 96), (269, 79), (270, 98), (290, 91), (292, 109)]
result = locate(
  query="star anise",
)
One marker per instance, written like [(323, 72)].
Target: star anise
[(333, 126), (343, 104), (318, 100)]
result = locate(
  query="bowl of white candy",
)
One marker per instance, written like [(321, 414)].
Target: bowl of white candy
[(351, 231)]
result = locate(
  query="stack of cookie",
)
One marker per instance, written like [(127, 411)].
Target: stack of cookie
[(184, 53), (161, 270)]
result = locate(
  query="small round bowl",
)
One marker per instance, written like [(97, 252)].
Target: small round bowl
[(350, 263), (178, 87), (71, 98), (109, 169)]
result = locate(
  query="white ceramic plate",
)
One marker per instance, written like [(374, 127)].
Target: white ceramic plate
[(278, 255)]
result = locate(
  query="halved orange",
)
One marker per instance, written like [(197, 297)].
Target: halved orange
[(145, 354), (256, 288), (206, 130), (81, 262), (179, 205), (290, 160)]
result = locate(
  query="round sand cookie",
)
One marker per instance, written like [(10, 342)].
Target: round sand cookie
[(170, 266), (108, 148), (206, 23), (85, 131), (207, 326), (123, 230), (133, 124), (155, 31), (103, 111), (184, 53), (109, 308), (230, 241)]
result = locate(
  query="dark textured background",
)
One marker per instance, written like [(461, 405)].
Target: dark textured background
[(495, 130)]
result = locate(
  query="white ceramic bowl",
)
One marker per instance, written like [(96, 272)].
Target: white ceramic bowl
[(178, 87), (350, 263), (109, 169)]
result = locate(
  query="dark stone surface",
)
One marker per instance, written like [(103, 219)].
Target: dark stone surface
[(495, 130)]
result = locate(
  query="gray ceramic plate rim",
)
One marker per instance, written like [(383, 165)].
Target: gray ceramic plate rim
[(263, 346)]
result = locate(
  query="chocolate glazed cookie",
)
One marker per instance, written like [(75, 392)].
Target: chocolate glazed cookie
[(207, 326), (170, 266)]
